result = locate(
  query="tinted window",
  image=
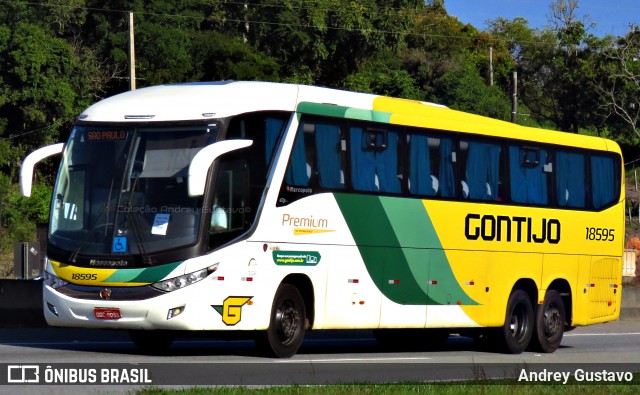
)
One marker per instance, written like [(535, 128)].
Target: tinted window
[(530, 170)]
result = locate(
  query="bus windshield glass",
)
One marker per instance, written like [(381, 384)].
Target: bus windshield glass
[(123, 190)]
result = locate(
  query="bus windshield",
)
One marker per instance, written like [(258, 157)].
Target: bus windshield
[(123, 190)]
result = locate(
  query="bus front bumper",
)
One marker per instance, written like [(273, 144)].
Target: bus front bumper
[(196, 307)]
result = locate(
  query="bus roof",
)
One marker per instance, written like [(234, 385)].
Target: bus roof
[(208, 100)]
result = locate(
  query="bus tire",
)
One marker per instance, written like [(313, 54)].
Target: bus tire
[(515, 334), (549, 323), (286, 329), (150, 341)]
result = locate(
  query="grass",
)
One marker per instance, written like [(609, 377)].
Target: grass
[(468, 388)]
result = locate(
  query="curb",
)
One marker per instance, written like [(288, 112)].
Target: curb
[(630, 305)]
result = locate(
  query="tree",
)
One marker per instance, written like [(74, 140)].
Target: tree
[(465, 90), (218, 57), (554, 65), (324, 41), (47, 77), (38, 94), (514, 44), (618, 84), (437, 44), (384, 75)]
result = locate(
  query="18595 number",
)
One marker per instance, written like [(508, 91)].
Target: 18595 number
[(600, 234), (84, 276)]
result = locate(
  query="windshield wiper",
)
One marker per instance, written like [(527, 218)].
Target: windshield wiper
[(90, 228), (132, 222), (107, 207)]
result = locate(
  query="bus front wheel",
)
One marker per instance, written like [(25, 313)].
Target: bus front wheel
[(286, 329), (515, 334), (549, 323)]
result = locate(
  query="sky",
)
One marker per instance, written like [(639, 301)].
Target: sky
[(610, 16)]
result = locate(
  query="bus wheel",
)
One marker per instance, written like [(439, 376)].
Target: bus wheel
[(549, 324), (515, 335), (287, 324), (151, 342)]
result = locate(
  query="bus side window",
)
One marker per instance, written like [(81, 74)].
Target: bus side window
[(482, 171), (241, 176), (431, 170), (570, 179), (329, 156), (603, 181), (317, 158), (316, 162), (422, 180), (446, 173), (374, 160), (273, 129), (299, 169), (529, 169)]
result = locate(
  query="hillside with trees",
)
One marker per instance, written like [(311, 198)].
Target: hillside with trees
[(60, 56)]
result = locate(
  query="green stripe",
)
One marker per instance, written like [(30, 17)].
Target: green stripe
[(397, 241), (146, 275), (124, 275), (331, 110)]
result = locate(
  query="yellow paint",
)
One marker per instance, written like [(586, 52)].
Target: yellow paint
[(414, 113), (495, 266), (89, 275), (306, 231), (82, 275), (232, 309)]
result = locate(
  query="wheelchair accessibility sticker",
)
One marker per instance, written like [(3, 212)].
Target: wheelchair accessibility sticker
[(119, 245)]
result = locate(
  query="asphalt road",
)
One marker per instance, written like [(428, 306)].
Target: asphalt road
[(90, 358)]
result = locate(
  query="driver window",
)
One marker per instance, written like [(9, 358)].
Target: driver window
[(240, 176)]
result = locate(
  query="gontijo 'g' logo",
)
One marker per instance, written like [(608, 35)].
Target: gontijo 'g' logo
[(231, 309)]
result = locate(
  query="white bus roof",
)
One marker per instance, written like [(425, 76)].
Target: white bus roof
[(198, 101), (209, 100)]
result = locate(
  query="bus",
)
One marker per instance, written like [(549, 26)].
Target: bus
[(268, 210)]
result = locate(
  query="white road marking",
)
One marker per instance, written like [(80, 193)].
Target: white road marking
[(603, 334), (371, 359)]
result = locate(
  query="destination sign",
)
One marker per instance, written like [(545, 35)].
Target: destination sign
[(99, 135)]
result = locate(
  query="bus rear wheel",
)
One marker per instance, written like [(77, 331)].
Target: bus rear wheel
[(515, 334), (286, 329), (549, 323)]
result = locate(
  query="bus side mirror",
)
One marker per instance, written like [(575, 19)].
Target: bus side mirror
[(26, 170), (204, 158)]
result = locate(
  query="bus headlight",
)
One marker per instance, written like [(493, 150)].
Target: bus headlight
[(172, 284), (53, 281)]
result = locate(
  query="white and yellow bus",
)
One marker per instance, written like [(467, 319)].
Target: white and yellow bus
[(273, 209)]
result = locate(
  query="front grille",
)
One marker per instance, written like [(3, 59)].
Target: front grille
[(117, 293)]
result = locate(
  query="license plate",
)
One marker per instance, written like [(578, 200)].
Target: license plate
[(102, 313)]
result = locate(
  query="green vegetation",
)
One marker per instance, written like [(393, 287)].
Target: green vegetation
[(498, 387), (60, 56)]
